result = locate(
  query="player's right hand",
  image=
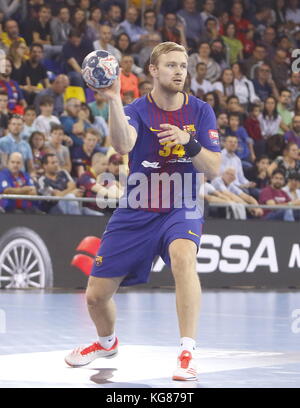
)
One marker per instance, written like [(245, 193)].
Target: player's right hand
[(111, 92)]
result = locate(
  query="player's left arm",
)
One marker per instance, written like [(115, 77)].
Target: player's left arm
[(204, 149)]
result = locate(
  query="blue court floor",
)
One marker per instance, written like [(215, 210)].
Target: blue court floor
[(246, 339)]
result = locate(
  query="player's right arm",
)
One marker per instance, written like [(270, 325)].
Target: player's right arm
[(122, 135)]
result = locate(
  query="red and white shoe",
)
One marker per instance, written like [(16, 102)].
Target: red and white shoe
[(84, 355), (186, 367)]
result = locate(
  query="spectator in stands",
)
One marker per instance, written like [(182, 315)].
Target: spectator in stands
[(55, 91), (130, 26), (225, 86), (264, 85), (231, 160), (129, 81), (29, 118), (279, 13), (274, 195), (219, 54), (297, 106), (95, 22), (90, 183), (199, 85), (203, 55), (225, 184), (245, 143), (292, 13), (16, 54), (60, 26), (73, 122), (213, 100), (79, 23), (173, 29), (46, 118), (11, 33), (145, 87), (293, 135), (58, 183), (211, 32), (34, 75), (99, 106), (82, 155), (293, 85), (210, 194), (280, 69), (270, 120), (3, 113), (151, 41), (258, 57), (114, 17), (74, 51), (95, 122), (13, 142), (37, 142), (233, 106), (258, 174), (241, 24), (55, 145), (208, 10), (288, 163), (243, 87), (104, 42), (123, 44), (284, 111), (234, 46), (16, 182), (222, 125), (40, 28), (194, 26), (293, 187), (9, 7), (268, 40), (252, 125), (16, 101)]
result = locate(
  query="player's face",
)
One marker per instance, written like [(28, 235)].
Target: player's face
[(171, 71)]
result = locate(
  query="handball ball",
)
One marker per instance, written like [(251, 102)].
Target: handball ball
[(100, 69)]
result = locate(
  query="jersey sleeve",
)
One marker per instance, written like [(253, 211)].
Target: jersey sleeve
[(133, 117), (207, 131)]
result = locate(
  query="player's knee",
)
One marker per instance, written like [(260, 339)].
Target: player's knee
[(182, 263), (94, 299)]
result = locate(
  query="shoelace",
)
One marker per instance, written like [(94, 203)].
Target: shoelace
[(94, 347)]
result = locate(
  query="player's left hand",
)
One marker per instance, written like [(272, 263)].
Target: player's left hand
[(173, 135)]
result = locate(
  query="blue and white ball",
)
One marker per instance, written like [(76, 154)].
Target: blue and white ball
[(100, 69)]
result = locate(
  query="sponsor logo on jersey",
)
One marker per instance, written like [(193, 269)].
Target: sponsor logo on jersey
[(154, 165), (98, 260), (214, 136)]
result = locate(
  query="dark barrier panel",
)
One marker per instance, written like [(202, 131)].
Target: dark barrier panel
[(59, 251)]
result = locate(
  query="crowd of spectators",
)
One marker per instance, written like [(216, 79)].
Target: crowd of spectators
[(54, 135)]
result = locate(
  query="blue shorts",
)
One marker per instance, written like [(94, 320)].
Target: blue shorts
[(133, 238)]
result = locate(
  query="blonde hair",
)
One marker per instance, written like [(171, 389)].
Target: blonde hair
[(165, 48)]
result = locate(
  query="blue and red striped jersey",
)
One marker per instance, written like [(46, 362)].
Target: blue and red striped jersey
[(151, 157)]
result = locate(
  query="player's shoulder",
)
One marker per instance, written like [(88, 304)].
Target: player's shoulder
[(197, 103), (138, 103)]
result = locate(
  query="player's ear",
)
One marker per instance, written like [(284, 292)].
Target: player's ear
[(153, 69)]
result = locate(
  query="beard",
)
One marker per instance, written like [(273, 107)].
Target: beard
[(172, 88)]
